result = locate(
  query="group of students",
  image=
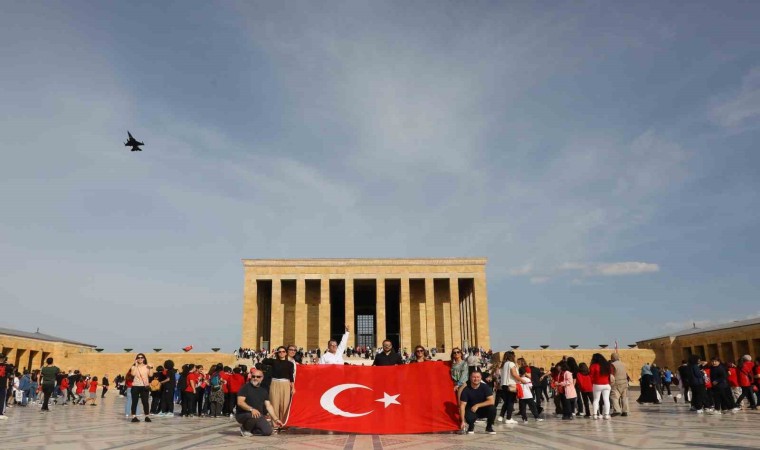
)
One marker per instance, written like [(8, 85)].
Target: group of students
[(719, 387), (576, 388), (200, 392), (48, 385)]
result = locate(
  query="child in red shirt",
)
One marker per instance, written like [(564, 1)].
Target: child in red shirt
[(80, 391), (64, 389), (586, 387), (92, 391)]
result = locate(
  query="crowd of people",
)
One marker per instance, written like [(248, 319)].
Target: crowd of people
[(259, 397)]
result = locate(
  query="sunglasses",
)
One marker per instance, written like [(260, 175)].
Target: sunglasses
[(291, 349), (419, 351), (257, 376), (457, 351), (140, 357)]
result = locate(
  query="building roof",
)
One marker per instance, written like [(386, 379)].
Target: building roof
[(723, 326), (40, 336), (316, 262)]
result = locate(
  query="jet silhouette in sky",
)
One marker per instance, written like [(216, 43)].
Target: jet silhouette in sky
[(134, 143)]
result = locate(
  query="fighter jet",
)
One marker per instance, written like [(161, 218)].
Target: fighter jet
[(134, 143)]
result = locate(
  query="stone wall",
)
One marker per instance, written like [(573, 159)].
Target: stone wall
[(114, 363)]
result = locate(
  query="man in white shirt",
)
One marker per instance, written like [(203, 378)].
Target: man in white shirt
[(334, 353)]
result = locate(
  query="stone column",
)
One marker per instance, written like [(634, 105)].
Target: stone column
[(324, 312), (430, 336), (350, 312), (405, 306), (277, 327), (480, 316), (301, 319), (250, 313), (380, 312), (456, 329)]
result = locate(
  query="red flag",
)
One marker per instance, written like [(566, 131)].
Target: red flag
[(188, 348), (413, 398)]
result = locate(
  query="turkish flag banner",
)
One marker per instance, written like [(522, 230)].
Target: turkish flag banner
[(412, 398)]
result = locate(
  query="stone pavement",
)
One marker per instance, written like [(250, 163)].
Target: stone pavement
[(105, 427)]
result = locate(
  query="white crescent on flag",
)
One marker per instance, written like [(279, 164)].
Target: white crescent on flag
[(327, 401)]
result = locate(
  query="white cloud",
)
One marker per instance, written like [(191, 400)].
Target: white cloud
[(625, 268), (742, 109), (539, 280), (523, 270)]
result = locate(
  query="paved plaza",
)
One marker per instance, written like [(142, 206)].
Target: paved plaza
[(105, 427)]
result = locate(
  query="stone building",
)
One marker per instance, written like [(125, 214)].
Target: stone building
[(433, 302), (729, 341), (29, 350)]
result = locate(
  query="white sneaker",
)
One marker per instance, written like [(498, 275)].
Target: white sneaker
[(511, 421), (606, 417), (245, 433), (3, 417), (498, 419), (169, 414), (595, 416), (539, 420), (525, 421), (700, 411)]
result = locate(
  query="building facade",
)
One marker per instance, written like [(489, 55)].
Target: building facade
[(431, 302), (29, 350), (729, 341)]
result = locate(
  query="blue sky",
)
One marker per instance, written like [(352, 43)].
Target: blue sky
[(602, 155)]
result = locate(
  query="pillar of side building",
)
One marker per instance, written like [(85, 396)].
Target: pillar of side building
[(430, 336), (250, 338), (380, 311), (301, 314), (350, 322), (406, 325), (277, 329), (456, 329), (480, 316), (324, 312)]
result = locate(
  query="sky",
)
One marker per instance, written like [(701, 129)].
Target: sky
[(602, 155)]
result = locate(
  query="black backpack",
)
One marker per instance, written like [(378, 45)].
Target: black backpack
[(182, 382)]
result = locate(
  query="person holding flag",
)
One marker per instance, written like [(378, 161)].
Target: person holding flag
[(334, 353)]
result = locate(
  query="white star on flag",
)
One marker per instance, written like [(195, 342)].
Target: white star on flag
[(389, 399)]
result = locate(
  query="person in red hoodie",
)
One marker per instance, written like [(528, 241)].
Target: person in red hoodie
[(746, 375), (600, 379), (586, 387), (733, 380), (237, 381)]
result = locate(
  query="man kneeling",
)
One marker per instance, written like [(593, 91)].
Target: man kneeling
[(252, 403), (477, 401)]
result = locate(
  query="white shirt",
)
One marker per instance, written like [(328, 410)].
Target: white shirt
[(337, 357), (527, 385)]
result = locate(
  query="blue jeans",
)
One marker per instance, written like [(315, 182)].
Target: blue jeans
[(128, 405)]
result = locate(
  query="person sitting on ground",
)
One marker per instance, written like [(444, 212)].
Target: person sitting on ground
[(252, 403), (477, 401)]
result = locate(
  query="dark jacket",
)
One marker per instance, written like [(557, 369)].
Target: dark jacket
[(718, 376), (695, 375), (381, 359)]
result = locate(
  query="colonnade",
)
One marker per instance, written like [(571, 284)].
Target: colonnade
[(433, 311)]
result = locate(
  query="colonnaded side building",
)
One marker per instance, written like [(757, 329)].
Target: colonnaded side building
[(423, 301)]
